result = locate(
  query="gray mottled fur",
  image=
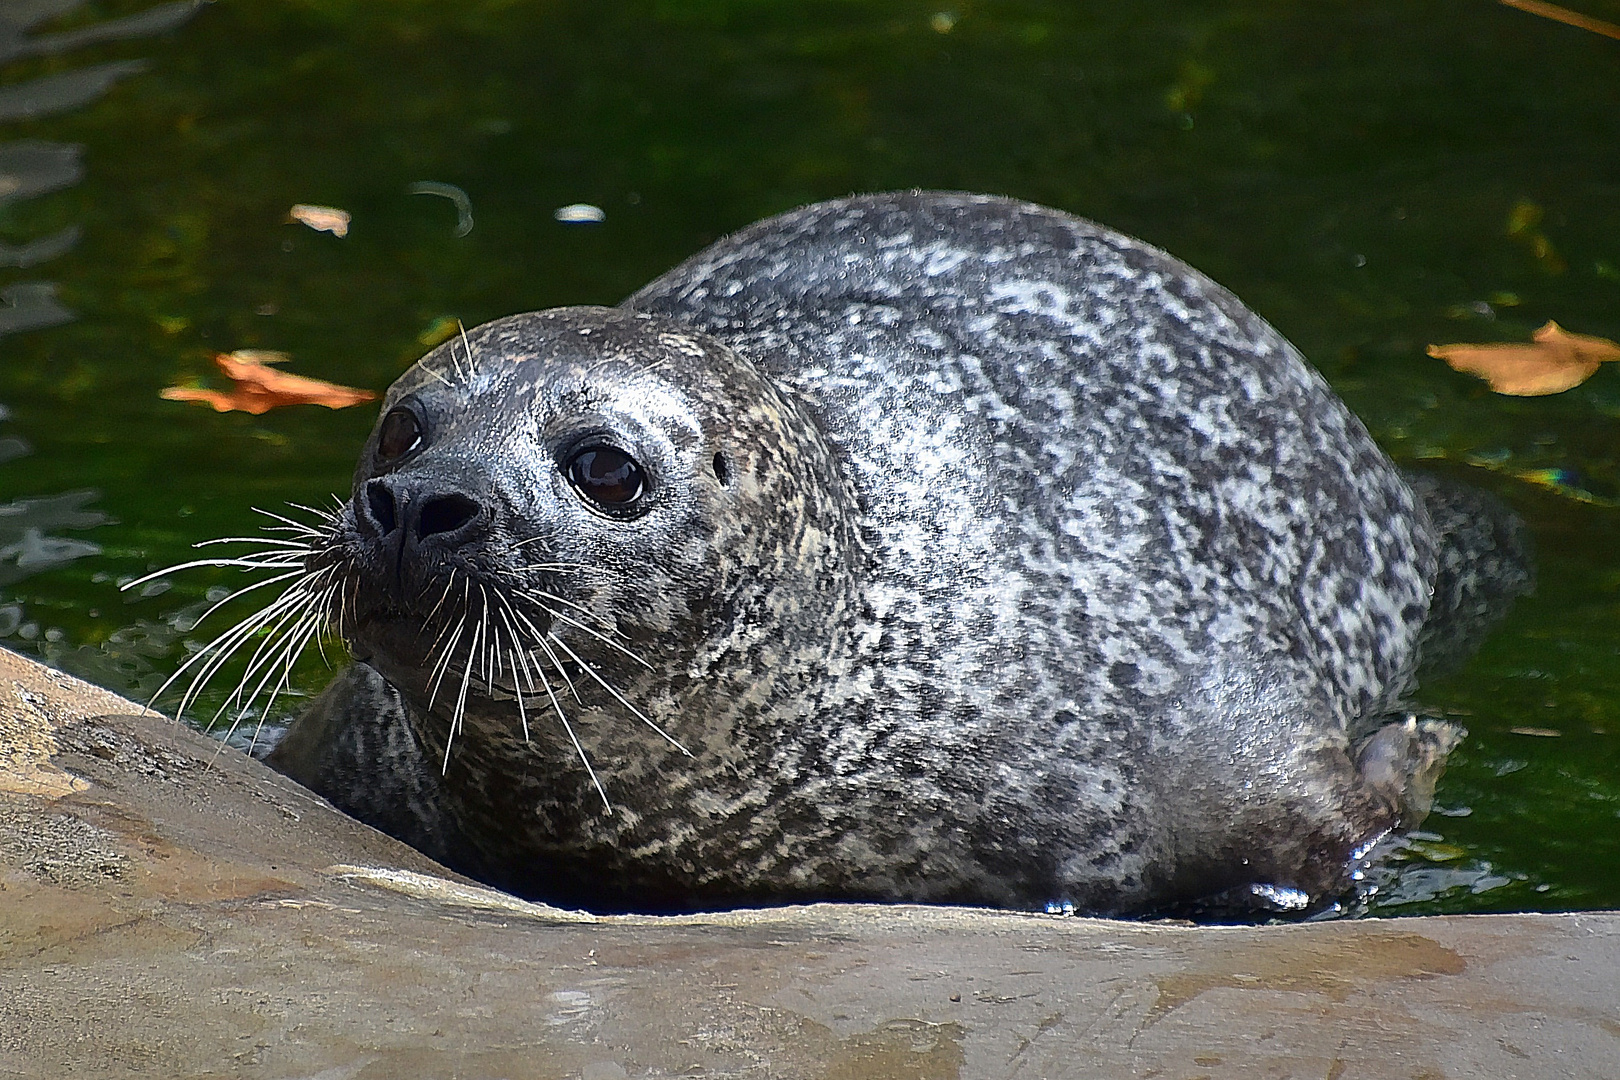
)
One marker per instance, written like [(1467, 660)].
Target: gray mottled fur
[(1038, 569), (1484, 566)]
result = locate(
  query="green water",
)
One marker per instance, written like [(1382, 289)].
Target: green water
[(1371, 178)]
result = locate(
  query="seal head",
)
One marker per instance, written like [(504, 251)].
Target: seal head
[(569, 528)]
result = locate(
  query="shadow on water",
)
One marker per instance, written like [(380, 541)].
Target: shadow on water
[(1371, 179)]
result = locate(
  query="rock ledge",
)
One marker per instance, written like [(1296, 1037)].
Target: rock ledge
[(171, 907)]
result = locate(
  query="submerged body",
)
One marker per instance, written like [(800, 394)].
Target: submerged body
[(916, 546)]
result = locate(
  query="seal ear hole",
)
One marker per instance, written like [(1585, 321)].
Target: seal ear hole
[(721, 473)]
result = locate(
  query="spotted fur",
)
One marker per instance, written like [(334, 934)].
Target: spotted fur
[(996, 558)]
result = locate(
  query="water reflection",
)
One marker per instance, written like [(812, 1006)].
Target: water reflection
[(38, 251), (21, 16), (31, 168), (26, 544)]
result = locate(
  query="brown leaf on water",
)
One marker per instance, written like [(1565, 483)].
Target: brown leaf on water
[(257, 388), (257, 356), (1564, 15), (321, 218), (1555, 360)]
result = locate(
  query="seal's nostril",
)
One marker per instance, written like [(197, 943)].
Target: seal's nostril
[(444, 514), (381, 503)]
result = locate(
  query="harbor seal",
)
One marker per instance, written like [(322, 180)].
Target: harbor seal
[(918, 546)]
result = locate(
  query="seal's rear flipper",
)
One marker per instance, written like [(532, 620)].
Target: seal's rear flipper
[(1347, 815), (1402, 761), (1485, 563)]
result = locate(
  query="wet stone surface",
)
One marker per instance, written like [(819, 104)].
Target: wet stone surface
[(170, 906)]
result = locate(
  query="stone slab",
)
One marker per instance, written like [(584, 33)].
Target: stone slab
[(169, 907)]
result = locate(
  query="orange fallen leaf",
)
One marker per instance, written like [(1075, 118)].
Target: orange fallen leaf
[(257, 356), (1564, 15), (257, 388), (321, 218), (1554, 361)]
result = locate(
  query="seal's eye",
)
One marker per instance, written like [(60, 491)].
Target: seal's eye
[(400, 434), (607, 476)]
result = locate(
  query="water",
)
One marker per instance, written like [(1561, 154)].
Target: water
[(1371, 178)]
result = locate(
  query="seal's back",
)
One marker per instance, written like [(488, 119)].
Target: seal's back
[(1086, 449), (1093, 482)]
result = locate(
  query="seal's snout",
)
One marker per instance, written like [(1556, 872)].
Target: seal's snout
[(403, 516), (444, 515), (381, 508)]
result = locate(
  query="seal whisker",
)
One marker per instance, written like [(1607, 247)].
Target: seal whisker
[(598, 636), (427, 622), (442, 665), (587, 567), (210, 670), (297, 613), (327, 516), (268, 541), (290, 648), (438, 639), (419, 364), (584, 758), (299, 527), (556, 662), (467, 348), (562, 672), (448, 585), (307, 601), (555, 567), (563, 645), (551, 695), (514, 658), (270, 556), (211, 656), (245, 564), (461, 698), (244, 590), (326, 609), (344, 600), (483, 619), (546, 599), (300, 613), (215, 654)]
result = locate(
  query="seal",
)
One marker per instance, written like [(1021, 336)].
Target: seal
[(917, 546)]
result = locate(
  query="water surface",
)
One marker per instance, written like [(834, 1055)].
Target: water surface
[(1371, 178)]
